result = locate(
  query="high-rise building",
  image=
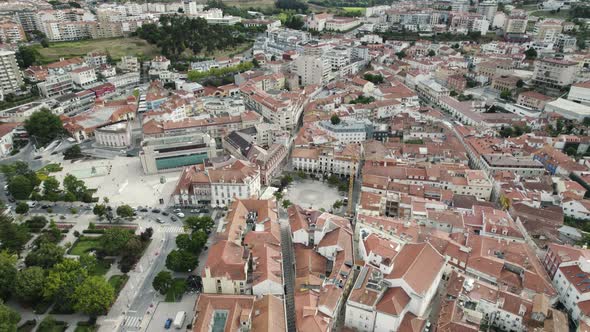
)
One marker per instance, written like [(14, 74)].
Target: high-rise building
[(10, 76), (488, 9)]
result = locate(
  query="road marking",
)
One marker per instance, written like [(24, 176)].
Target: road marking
[(132, 321), (173, 229)]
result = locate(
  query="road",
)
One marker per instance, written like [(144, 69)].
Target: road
[(288, 273)]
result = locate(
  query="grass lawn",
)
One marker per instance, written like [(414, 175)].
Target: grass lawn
[(118, 282), (117, 48), (101, 268), (248, 4), (354, 9), (175, 292), (86, 328), (84, 245), (562, 14)]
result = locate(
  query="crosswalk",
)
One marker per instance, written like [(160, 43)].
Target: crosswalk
[(132, 322), (172, 229)]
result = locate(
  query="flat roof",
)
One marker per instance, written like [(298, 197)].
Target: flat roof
[(570, 106)]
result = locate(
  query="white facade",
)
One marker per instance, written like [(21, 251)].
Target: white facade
[(10, 75), (114, 135), (223, 194), (124, 80), (312, 70), (580, 93), (575, 209), (83, 77)]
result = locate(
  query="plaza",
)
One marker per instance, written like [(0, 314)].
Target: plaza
[(313, 194)]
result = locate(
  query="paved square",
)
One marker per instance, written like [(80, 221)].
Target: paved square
[(313, 194), (122, 180)]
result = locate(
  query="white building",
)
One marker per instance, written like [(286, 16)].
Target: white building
[(128, 64), (124, 80), (114, 135), (312, 70), (578, 209), (580, 93), (84, 76), (348, 131), (555, 73), (568, 109), (10, 76)]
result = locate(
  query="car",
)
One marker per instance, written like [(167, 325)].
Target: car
[(38, 157), (180, 215), (194, 211), (159, 220), (144, 210), (204, 211), (11, 199), (164, 213), (177, 210), (168, 323), (45, 206), (173, 218), (156, 211)]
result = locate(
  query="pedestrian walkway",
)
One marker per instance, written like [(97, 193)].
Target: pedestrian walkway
[(132, 322), (172, 229)]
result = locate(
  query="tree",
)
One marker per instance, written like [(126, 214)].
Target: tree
[(114, 240), (8, 318), (278, 195), (94, 296), (192, 243), (519, 83), (286, 203), (181, 261), (20, 187), (46, 256), (29, 284), (162, 282), (7, 274), (147, 234), (431, 53), (51, 189), (75, 186), (194, 222), (27, 56), (530, 54), (375, 79), (401, 54), (294, 22), (44, 126), (99, 210), (13, 237), (21, 208), (571, 151), (124, 211), (73, 152), (505, 94), (286, 180), (335, 119), (62, 281)]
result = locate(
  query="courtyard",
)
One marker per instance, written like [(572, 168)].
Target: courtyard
[(313, 194)]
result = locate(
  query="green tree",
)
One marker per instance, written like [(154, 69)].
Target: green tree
[(530, 54), (27, 56), (286, 203), (8, 318), (73, 152), (13, 236), (94, 296), (20, 187), (29, 284), (51, 189), (62, 281), (181, 261), (125, 211), (114, 240), (519, 84), (431, 53), (46, 256), (505, 94), (401, 54), (100, 210), (44, 126), (196, 223), (335, 119), (162, 282), (21, 208), (7, 274), (88, 262), (75, 186)]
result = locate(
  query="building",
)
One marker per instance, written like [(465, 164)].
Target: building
[(554, 73), (516, 23), (11, 33), (56, 85), (6, 138), (83, 77), (580, 93), (10, 76), (488, 9), (568, 109), (505, 83), (128, 64), (533, 99), (218, 184), (22, 112), (312, 70), (348, 131), (431, 90), (173, 153), (117, 135), (123, 80), (577, 209)]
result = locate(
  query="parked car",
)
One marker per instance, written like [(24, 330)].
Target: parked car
[(180, 215), (144, 210), (177, 210), (160, 220), (164, 213), (156, 211), (173, 218), (204, 210), (168, 323), (45, 206)]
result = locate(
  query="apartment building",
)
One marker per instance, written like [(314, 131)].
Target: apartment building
[(554, 73), (533, 99), (516, 23), (83, 77), (312, 70), (11, 78), (11, 33), (56, 85)]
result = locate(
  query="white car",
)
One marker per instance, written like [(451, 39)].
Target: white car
[(180, 215), (177, 210)]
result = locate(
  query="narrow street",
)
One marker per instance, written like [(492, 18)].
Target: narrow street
[(288, 273)]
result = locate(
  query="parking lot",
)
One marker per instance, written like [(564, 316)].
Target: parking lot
[(168, 310)]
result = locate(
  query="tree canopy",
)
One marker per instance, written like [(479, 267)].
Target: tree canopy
[(125, 211), (181, 261), (7, 274), (194, 222), (94, 296), (8, 318), (114, 240), (29, 284), (162, 282), (45, 126), (46, 256)]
